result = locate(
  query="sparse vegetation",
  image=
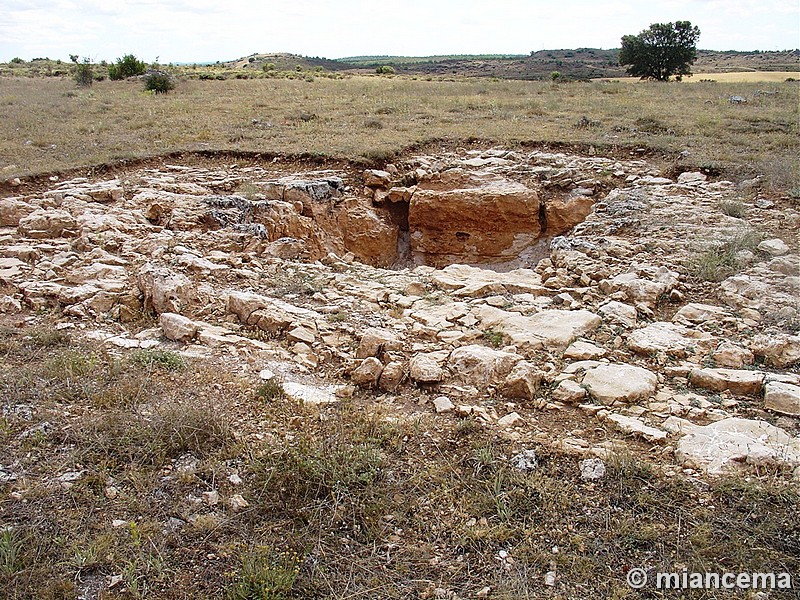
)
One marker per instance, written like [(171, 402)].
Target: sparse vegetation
[(723, 260), (505, 112)]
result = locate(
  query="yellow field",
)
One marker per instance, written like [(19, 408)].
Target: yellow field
[(734, 77), (746, 76)]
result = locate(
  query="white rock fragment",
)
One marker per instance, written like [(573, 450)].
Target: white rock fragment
[(634, 426), (592, 469), (442, 404), (774, 247), (525, 460), (510, 420)]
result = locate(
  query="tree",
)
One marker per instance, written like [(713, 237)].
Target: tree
[(663, 51)]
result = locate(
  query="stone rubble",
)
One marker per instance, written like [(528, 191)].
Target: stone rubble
[(497, 284)]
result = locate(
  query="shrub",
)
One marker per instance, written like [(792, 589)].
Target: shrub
[(733, 208), (159, 82), (84, 73), (164, 359), (269, 67), (385, 70), (127, 66), (18, 61)]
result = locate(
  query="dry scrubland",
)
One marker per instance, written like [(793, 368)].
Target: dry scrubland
[(49, 125), (347, 501)]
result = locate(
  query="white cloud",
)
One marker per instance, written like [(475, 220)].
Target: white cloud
[(186, 30)]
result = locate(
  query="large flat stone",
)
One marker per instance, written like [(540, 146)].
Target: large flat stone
[(620, 383), (737, 381), (726, 444), (554, 329)]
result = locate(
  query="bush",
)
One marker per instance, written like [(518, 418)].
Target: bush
[(17, 61), (385, 70), (84, 73), (159, 82), (127, 66)]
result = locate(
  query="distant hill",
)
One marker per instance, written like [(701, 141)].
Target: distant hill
[(580, 63), (283, 61)]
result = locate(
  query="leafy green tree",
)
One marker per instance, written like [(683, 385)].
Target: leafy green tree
[(127, 66), (662, 51)]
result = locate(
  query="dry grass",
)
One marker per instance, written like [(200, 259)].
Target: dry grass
[(48, 124), (342, 502)]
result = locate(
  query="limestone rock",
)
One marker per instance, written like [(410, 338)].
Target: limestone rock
[(619, 312), (562, 214), (442, 405), (692, 178), (268, 314), (669, 338), (634, 426), (620, 383), (375, 341), (12, 210), (510, 420), (694, 313), (584, 351), (721, 446), (732, 356), (554, 329), (774, 247), (377, 178), (592, 469), (493, 222), (782, 398), (163, 290), (569, 391), (310, 394), (522, 382), (367, 373), (48, 224), (741, 382), (481, 366), (367, 235), (427, 367), (301, 334), (780, 351), (525, 460), (392, 376), (644, 289), (177, 327), (473, 282)]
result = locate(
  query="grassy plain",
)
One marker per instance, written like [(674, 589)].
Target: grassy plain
[(49, 124)]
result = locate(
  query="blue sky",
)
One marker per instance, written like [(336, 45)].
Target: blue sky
[(207, 30)]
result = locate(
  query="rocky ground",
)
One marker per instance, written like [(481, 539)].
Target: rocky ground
[(555, 300)]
